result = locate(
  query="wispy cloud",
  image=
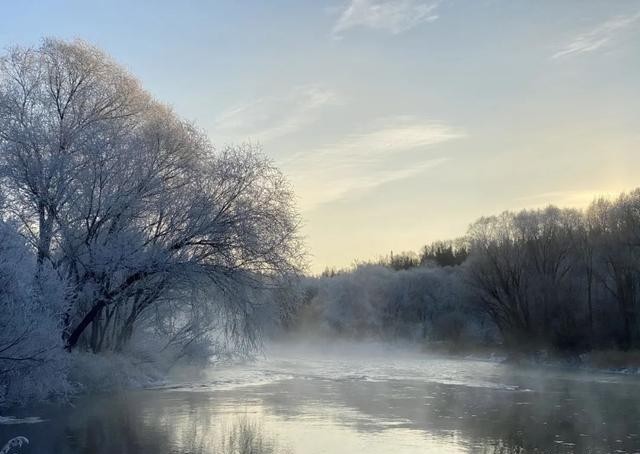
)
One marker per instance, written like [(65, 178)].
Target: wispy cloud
[(600, 36), (318, 189), (384, 138), (394, 16), (271, 117), (363, 161)]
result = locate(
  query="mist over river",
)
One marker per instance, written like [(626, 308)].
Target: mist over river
[(344, 398)]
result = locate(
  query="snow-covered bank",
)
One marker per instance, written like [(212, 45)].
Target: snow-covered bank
[(112, 371), (607, 361)]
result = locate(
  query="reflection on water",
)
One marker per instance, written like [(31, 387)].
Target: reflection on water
[(353, 406), (242, 435)]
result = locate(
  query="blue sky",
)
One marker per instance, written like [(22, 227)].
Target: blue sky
[(397, 121)]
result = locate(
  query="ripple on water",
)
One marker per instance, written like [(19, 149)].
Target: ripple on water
[(23, 420)]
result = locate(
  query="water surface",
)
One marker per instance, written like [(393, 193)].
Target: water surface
[(353, 400)]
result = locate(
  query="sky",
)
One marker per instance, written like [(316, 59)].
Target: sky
[(398, 122)]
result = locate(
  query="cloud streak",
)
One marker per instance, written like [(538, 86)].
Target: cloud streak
[(387, 137), (365, 160), (599, 37), (272, 117), (393, 16)]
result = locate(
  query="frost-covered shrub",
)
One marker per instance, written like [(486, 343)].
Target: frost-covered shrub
[(425, 303), (32, 362), (106, 371)]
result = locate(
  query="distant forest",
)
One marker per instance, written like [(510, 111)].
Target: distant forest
[(554, 279)]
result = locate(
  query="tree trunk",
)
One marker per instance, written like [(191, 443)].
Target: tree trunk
[(590, 302), (45, 226), (84, 323)]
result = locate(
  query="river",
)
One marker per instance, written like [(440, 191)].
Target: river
[(339, 399)]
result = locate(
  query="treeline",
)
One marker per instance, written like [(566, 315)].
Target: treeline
[(557, 279)]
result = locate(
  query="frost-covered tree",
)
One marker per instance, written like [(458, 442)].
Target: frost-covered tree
[(497, 271), (521, 266), (615, 235), (131, 205)]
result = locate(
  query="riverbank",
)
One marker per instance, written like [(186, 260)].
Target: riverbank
[(81, 373), (89, 373), (614, 361)]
